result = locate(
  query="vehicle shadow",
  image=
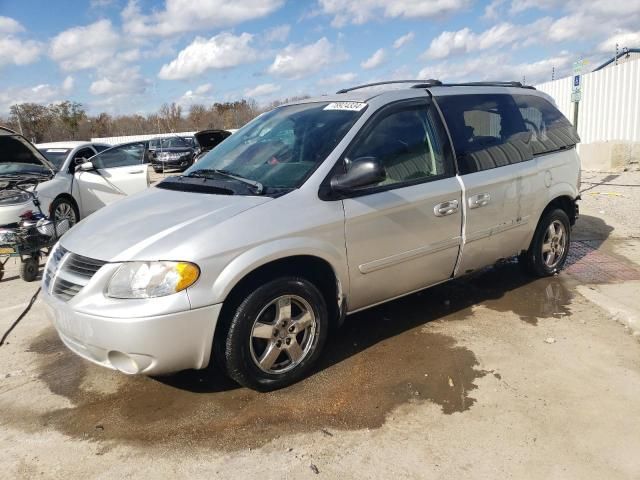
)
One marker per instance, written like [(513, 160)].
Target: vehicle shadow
[(504, 287)]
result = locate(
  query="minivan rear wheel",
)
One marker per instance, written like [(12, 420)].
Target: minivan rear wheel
[(275, 335), (549, 247)]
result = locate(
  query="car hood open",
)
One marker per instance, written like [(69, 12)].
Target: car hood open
[(207, 139), (18, 151), (153, 225)]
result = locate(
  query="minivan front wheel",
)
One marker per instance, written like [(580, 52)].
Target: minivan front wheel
[(276, 334), (549, 247)]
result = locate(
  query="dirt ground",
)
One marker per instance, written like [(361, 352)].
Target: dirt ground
[(493, 376)]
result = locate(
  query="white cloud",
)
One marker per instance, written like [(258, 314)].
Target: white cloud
[(464, 41), (18, 52), (128, 81), (493, 10), (337, 79), (262, 90), (348, 11), (225, 50), (198, 95), (623, 39), (13, 50), (374, 60), (179, 16), (10, 25), (85, 47), (498, 67), (44, 93), (297, 61), (277, 34), (403, 40)]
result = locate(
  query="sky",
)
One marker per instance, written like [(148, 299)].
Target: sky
[(131, 56)]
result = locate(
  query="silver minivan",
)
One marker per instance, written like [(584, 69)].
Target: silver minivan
[(313, 211)]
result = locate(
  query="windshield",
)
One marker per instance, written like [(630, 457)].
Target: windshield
[(171, 142), (57, 156), (279, 149), (18, 157)]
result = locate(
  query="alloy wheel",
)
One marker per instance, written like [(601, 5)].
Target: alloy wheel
[(283, 334), (554, 244)]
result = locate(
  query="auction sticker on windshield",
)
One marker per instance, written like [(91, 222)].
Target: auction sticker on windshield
[(352, 106)]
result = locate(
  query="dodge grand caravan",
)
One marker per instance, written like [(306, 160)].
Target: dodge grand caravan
[(312, 211)]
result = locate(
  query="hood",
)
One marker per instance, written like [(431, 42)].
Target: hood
[(18, 156), (153, 225), (207, 139)]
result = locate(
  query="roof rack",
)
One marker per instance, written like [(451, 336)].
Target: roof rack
[(488, 84), (437, 83), (421, 83)]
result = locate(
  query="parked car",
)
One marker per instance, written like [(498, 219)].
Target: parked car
[(313, 211), (68, 186), (208, 139), (171, 153)]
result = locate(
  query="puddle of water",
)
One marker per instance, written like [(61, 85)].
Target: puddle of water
[(382, 358)]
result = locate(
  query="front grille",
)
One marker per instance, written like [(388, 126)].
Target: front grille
[(65, 290), (83, 266), (67, 273)]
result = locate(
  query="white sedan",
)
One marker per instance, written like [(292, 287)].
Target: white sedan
[(72, 179)]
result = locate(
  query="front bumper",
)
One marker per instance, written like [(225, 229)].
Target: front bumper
[(182, 162), (149, 345)]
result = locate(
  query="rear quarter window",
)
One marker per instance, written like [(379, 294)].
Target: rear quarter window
[(550, 130), (487, 131)]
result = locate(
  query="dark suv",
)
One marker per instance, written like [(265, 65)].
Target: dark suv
[(170, 153)]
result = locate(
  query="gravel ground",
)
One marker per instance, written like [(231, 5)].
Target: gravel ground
[(493, 376)]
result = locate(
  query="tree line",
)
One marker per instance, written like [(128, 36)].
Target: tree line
[(69, 120)]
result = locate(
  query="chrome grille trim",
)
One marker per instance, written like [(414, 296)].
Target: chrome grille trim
[(67, 273)]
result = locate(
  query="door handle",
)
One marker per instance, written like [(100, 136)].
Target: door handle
[(137, 171), (479, 200), (446, 208)]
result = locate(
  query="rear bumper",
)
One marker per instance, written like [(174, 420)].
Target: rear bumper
[(149, 345)]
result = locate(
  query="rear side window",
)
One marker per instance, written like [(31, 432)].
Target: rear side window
[(487, 131), (549, 129)]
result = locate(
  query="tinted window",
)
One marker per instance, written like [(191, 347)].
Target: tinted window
[(549, 129), (487, 131), (406, 143), (121, 156), (100, 148)]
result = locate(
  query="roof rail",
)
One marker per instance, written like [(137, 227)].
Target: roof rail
[(489, 84), (422, 84)]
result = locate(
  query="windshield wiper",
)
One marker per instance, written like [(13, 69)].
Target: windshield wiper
[(206, 172)]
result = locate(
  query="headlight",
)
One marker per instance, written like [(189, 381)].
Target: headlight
[(151, 279), (14, 197)]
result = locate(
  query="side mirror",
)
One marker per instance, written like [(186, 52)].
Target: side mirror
[(79, 160), (86, 167), (362, 172)]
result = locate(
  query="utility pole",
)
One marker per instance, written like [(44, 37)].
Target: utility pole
[(19, 122)]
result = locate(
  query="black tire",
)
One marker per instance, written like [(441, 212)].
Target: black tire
[(535, 259), (29, 269), (237, 349), (67, 205), (157, 170)]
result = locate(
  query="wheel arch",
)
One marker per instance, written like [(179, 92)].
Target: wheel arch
[(314, 268), (66, 196)]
